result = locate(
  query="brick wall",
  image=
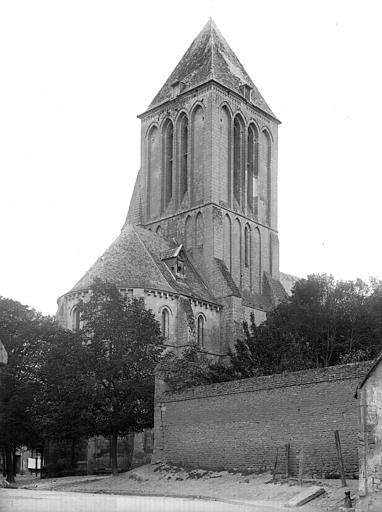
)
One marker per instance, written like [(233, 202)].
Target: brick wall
[(240, 424), (134, 450)]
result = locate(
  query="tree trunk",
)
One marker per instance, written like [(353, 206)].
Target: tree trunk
[(9, 464), (4, 463), (114, 458), (42, 460), (73, 454), (14, 462)]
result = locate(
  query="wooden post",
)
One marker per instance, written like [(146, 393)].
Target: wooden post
[(287, 455), (301, 466), (275, 466), (340, 458)]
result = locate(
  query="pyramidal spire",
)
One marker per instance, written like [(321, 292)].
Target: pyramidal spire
[(210, 58)]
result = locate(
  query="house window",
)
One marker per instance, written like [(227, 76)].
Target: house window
[(201, 331), (165, 323)]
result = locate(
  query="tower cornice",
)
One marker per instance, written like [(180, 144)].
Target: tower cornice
[(205, 85)]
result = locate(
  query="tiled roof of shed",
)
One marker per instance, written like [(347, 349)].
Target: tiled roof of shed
[(210, 58), (134, 261)]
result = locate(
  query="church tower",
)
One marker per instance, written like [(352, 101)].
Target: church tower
[(205, 199), (209, 174)]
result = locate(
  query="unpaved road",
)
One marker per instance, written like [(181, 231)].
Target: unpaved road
[(24, 500)]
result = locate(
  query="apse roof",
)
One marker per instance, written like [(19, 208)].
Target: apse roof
[(210, 58), (133, 260)]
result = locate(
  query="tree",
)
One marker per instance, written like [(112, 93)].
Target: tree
[(193, 367), (124, 344), (21, 331), (62, 404), (325, 322)]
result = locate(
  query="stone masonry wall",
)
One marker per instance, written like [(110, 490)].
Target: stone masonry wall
[(370, 438), (240, 424)]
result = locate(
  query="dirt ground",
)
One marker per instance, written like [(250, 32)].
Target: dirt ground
[(167, 480)]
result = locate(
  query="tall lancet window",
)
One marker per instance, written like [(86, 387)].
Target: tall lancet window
[(247, 246), (76, 319), (183, 150), (154, 173), (251, 168), (168, 136), (165, 323), (225, 154), (266, 174), (200, 332), (237, 158)]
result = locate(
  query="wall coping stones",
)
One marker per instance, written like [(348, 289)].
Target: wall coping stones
[(353, 371)]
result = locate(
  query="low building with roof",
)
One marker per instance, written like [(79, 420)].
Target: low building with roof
[(369, 394)]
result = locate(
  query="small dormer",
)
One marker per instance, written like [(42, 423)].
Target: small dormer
[(246, 91), (177, 87), (174, 259)]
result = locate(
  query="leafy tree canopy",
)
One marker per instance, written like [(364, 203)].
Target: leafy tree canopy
[(62, 405), (123, 343), (324, 322), (22, 331)]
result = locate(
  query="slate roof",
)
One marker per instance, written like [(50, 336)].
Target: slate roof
[(277, 291), (133, 260), (135, 212), (210, 58), (373, 366)]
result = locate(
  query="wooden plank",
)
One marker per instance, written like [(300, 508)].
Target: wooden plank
[(275, 466), (301, 466), (340, 458), (305, 496), (287, 456)]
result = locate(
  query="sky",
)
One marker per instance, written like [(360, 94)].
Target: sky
[(75, 74)]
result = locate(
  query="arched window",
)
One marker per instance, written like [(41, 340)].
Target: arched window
[(256, 274), (197, 160), (199, 230), (225, 154), (168, 136), (247, 246), (183, 153), (227, 236), (188, 233), (274, 254), (237, 158), (236, 263), (266, 173), (159, 231), (76, 319), (201, 331), (154, 173), (165, 323), (251, 167)]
